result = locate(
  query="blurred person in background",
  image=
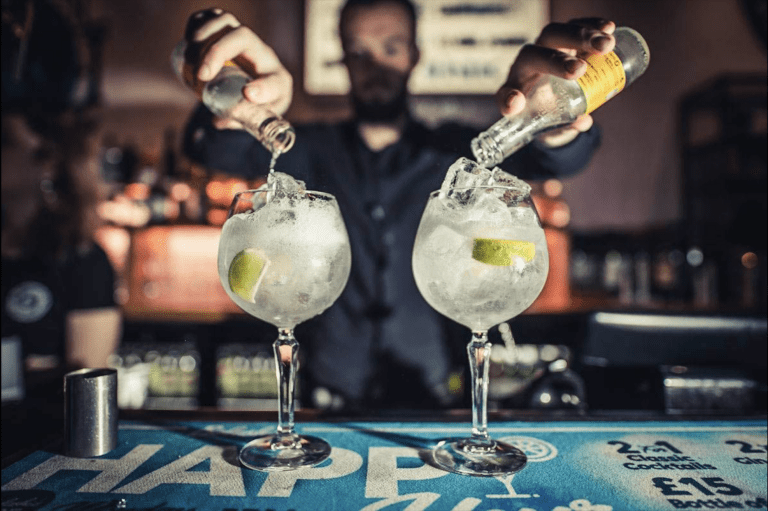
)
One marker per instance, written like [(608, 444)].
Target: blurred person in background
[(57, 283), (380, 344)]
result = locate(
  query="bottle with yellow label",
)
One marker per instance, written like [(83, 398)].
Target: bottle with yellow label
[(225, 91), (555, 102)]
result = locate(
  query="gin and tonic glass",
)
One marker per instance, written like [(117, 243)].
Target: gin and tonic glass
[(284, 258), (480, 258)]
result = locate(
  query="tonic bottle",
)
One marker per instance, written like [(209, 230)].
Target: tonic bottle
[(555, 102)]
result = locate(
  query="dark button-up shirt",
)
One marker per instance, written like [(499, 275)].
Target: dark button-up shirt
[(380, 317)]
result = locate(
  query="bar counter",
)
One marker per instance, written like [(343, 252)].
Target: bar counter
[(654, 451), (184, 460)]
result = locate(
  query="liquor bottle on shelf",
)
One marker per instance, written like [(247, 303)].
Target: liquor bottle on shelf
[(555, 102)]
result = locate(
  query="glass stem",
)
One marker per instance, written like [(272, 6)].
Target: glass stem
[(479, 352), (286, 360)]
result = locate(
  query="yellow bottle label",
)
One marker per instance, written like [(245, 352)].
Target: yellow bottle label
[(604, 79), (502, 252)]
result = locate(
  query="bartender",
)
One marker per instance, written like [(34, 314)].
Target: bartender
[(381, 345)]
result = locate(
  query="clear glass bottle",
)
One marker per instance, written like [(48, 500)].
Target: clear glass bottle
[(555, 102), (225, 91)]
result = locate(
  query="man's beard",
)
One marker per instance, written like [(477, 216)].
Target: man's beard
[(381, 111), (382, 96)]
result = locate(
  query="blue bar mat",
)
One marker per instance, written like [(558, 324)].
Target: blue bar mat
[(573, 466)]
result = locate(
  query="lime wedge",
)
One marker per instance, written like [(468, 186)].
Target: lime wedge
[(502, 252), (245, 273)]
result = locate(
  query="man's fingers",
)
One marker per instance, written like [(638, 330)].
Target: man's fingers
[(583, 123), (534, 60), (246, 113), (242, 45), (268, 89), (230, 41), (226, 123), (561, 136), (601, 24), (572, 36), (511, 101), (261, 56), (224, 19), (558, 137)]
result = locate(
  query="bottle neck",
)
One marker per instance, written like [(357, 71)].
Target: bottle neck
[(278, 135), (505, 137)]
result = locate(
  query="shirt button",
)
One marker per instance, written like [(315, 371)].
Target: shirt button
[(377, 213), (389, 238)]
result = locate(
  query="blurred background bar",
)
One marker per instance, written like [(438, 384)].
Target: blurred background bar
[(656, 296)]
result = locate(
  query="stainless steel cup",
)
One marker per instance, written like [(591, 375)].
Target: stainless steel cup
[(90, 412)]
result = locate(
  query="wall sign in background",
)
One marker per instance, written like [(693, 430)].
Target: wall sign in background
[(466, 46)]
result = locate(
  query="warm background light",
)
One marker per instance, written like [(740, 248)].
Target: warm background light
[(553, 187), (220, 190), (137, 191), (216, 216), (560, 216), (180, 191), (749, 260)]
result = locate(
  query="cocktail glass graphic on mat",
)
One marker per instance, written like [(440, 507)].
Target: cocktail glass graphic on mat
[(480, 258), (536, 451), (284, 257)]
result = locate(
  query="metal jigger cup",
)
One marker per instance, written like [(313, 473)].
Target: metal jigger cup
[(90, 412)]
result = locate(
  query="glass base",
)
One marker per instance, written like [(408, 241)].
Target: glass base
[(478, 458), (272, 453)]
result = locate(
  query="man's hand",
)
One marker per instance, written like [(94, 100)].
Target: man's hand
[(558, 51), (272, 86)]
